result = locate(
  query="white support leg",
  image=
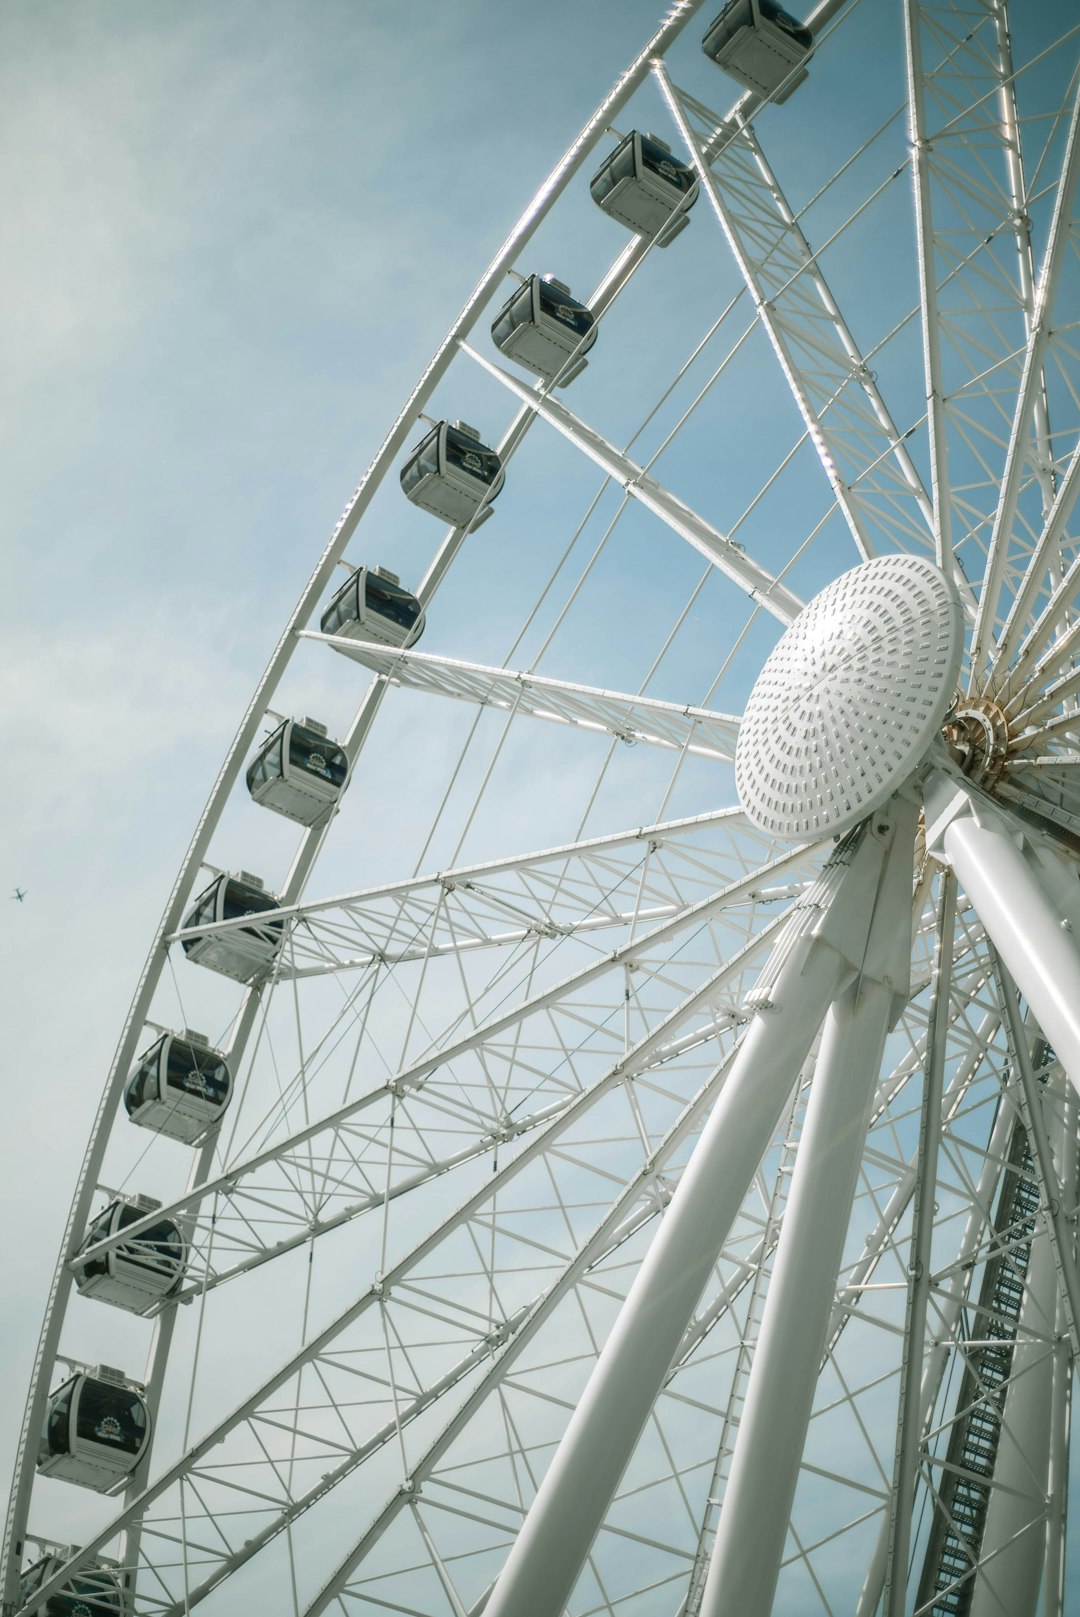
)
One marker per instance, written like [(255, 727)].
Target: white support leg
[(1028, 930), (1014, 1539), (765, 1467), (754, 1516), (570, 1505)]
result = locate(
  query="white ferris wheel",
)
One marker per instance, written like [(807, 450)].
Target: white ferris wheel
[(629, 1161)]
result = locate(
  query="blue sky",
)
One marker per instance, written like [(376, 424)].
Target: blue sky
[(235, 235)]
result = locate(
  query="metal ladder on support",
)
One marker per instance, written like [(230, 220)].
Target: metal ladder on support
[(947, 1584)]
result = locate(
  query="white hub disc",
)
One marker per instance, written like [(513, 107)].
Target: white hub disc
[(850, 700)]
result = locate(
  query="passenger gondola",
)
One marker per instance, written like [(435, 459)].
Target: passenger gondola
[(545, 329), (95, 1590), (244, 952), (761, 45), (96, 1430), (298, 772), (642, 184), (453, 475), (371, 607), (179, 1087), (134, 1274)]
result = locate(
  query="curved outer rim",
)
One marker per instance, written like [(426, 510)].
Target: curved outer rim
[(679, 15)]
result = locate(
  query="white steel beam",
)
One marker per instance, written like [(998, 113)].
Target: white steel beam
[(414, 1076), (807, 972), (757, 1500), (699, 731), (833, 388), (909, 1421), (1031, 393), (633, 1062), (676, 19), (757, 582), (924, 241), (1025, 926), (949, 1291)]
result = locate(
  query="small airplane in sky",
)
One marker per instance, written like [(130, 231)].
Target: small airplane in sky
[(19, 894)]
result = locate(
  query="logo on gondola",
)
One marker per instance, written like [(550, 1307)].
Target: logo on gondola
[(317, 764), (109, 1428), (563, 313), (472, 461), (79, 1610), (195, 1083), (668, 169)]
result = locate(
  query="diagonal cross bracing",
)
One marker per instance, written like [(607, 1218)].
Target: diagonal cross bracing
[(863, 454), (631, 719)]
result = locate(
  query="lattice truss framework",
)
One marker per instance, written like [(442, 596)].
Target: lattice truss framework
[(571, 1015)]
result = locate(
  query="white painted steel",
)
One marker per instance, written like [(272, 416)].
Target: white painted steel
[(832, 937), (1025, 925), (753, 1526), (850, 700), (551, 1547), (543, 1054), (909, 1418), (1013, 1545)]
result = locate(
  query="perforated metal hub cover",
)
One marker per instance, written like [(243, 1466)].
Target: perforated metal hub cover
[(846, 707)]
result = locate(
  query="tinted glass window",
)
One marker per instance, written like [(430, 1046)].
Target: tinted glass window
[(197, 1072), (316, 755), (99, 1229), (390, 601), (619, 166), (240, 899), (344, 607), (158, 1247), (110, 1417), (205, 904), (142, 1084), (567, 310), (56, 1433), (471, 456), (791, 25), (267, 766), (656, 159), (32, 1580), (515, 312), (424, 460)]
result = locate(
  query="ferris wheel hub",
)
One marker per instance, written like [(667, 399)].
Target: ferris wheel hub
[(850, 700)]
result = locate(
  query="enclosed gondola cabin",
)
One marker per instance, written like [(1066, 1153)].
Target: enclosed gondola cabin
[(244, 952), (94, 1591), (96, 1430), (179, 1087), (761, 45), (298, 772), (642, 184), (372, 608), (136, 1274), (453, 475), (545, 329)]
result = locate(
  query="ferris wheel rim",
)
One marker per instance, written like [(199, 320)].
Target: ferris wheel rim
[(682, 15)]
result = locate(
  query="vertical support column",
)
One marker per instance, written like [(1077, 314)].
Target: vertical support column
[(830, 934), (1061, 1390), (1024, 925), (1013, 1545), (765, 1467), (909, 1421)]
